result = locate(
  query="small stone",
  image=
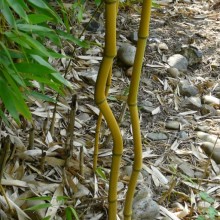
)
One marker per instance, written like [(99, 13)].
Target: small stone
[(93, 26), (163, 46), (173, 125), (126, 54), (157, 136), (133, 37), (208, 99), (127, 171), (143, 205), (208, 109), (183, 135), (117, 73), (145, 208), (178, 61), (202, 128), (187, 90), (193, 103), (128, 72), (213, 150), (173, 72)]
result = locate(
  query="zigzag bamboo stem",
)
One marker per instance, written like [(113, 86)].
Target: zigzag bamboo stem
[(100, 99), (98, 125), (132, 103)]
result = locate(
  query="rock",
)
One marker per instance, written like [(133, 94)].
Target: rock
[(208, 109), (133, 37), (89, 77), (183, 135), (117, 73), (208, 137), (173, 72), (193, 103), (192, 53), (202, 128), (126, 54), (213, 150), (208, 99), (93, 26), (173, 125), (162, 46), (127, 170), (157, 136), (128, 72), (178, 61), (144, 207), (187, 90)]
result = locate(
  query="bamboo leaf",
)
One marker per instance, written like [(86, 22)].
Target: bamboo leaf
[(73, 39), (34, 28), (41, 96), (19, 7), (5, 10), (38, 18), (38, 207)]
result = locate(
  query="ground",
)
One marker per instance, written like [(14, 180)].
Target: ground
[(175, 169)]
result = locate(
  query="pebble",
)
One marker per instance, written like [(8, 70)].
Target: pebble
[(187, 90), (126, 54), (133, 37), (173, 72), (173, 125), (163, 46), (129, 71), (208, 109), (144, 207), (183, 135), (193, 103), (157, 136), (127, 171), (213, 150), (208, 99), (178, 61)]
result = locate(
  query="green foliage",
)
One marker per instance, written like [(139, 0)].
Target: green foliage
[(210, 212), (24, 28), (100, 172)]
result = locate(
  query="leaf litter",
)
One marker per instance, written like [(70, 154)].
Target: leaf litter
[(176, 169)]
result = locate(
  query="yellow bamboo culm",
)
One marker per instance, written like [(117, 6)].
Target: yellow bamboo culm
[(132, 103), (98, 125), (100, 99)]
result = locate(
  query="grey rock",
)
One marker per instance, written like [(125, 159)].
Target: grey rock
[(173, 125), (213, 150), (145, 208), (133, 37), (193, 103), (178, 61), (143, 205), (208, 99), (127, 170), (126, 54), (187, 90), (157, 136), (202, 128), (192, 53), (173, 72), (183, 135), (208, 109), (94, 26)]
